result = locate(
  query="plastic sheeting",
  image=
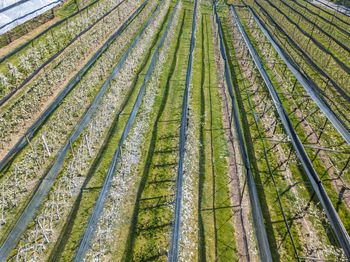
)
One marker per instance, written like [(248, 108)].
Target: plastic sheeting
[(14, 13), (7, 4), (333, 6)]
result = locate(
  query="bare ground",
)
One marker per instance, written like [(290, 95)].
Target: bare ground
[(27, 37)]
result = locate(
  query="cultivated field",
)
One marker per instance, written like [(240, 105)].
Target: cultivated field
[(176, 130)]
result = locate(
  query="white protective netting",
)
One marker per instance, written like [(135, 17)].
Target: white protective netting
[(15, 14), (8, 3)]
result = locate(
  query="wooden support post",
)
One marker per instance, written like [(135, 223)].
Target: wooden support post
[(87, 144), (45, 144)]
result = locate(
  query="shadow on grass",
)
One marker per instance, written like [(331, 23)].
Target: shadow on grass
[(251, 154), (201, 235), (69, 224), (130, 244)]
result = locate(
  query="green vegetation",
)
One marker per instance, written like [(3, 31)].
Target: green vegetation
[(217, 233), (144, 190), (284, 184), (44, 167), (78, 218), (153, 211)]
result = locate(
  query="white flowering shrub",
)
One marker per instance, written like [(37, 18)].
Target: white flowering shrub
[(24, 65), (33, 57), (13, 74), (3, 83)]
